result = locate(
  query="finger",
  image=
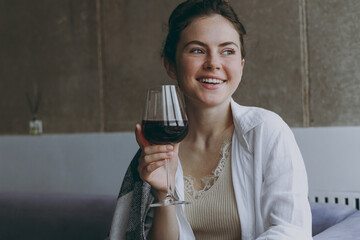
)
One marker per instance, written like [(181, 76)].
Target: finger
[(148, 159), (155, 165), (157, 149), (140, 139), (145, 169)]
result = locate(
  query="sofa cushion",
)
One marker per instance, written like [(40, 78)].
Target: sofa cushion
[(55, 216), (348, 229), (325, 215)]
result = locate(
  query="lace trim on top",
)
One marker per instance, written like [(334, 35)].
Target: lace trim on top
[(209, 180)]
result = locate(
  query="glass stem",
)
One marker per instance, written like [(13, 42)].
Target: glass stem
[(169, 194)]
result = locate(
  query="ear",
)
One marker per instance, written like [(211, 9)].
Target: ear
[(242, 66), (170, 68)]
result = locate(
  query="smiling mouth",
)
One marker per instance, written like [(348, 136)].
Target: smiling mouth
[(210, 80)]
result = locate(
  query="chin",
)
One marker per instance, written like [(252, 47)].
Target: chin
[(215, 102)]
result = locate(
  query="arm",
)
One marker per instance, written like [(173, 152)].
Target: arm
[(283, 200), (152, 170), (165, 224)]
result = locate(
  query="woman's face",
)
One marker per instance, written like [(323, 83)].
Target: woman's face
[(208, 61)]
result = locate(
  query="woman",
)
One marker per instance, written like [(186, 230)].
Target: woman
[(239, 166)]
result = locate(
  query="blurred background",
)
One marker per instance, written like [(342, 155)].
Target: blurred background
[(91, 61)]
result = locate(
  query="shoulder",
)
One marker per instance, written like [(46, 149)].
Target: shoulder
[(252, 118)]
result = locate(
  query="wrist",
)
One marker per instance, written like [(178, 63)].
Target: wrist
[(158, 194)]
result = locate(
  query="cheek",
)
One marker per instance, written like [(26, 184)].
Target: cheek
[(187, 67), (235, 68)]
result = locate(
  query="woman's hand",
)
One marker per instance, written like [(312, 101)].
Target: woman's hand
[(152, 163)]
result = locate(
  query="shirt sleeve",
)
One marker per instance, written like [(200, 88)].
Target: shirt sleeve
[(284, 191), (185, 231)]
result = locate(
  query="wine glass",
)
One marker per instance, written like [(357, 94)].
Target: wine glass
[(165, 122)]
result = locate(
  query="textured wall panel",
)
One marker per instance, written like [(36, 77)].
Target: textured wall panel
[(133, 40), (133, 37), (272, 74), (334, 51), (49, 46), (56, 47)]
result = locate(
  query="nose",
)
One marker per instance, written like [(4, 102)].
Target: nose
[(212, 63)]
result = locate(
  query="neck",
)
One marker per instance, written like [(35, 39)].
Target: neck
[(207, 124)]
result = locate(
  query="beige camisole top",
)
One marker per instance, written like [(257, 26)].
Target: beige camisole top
[(213, 212)]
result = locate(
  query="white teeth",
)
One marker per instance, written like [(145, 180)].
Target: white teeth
[(210, 80)]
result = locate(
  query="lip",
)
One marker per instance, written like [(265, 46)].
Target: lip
[(211, 86), (210, 76)]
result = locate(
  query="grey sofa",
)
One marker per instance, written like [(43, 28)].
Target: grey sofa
[(335, 222), (30, 216)]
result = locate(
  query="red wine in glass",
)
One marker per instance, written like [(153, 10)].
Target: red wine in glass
[(165, 122), (164, 132)]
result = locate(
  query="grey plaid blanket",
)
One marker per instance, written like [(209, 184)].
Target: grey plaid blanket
[(140, 216)]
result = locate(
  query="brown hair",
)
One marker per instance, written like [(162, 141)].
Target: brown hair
[(187, 11)]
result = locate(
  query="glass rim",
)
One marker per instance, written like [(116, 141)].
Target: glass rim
[(163, 85)]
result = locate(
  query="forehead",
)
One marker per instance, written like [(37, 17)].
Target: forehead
[(210, 28)]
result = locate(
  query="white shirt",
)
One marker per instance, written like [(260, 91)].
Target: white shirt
[(269, 179)]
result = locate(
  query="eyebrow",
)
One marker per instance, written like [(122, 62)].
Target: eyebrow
[(204, 45)]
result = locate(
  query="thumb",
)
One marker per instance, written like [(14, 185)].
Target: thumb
[(176, 147), (140, 139)]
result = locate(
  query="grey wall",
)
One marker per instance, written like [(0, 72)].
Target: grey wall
[(96, 163), (76, 163), (332, 157), (92, 61)]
